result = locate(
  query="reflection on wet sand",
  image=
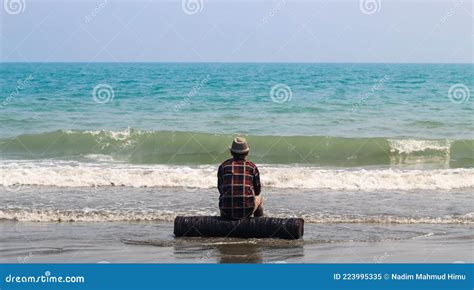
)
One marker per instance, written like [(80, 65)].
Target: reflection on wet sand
[(239, 251)]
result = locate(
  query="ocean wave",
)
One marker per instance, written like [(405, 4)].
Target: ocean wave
[(88, 215), (79, 174), (407, 146), (111, 215), (162, 147)]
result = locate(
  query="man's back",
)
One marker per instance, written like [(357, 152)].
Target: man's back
[(238, 184)]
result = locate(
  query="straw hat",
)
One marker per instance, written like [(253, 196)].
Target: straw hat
[(240, 145)]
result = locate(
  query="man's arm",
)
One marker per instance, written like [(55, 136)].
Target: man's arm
[(220, 174), (256, 182)]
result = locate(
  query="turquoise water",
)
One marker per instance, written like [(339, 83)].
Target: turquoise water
[(322, 114), (344, 114), (410, 100), (370, 142)]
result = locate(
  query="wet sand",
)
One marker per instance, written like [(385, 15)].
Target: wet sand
[(149, 242), (135, 225)]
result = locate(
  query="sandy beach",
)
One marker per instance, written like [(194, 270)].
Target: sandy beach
[(87, 226), (148, 242)]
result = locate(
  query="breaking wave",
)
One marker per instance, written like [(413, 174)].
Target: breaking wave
[(79, 174), (102, 215), (162, 147)]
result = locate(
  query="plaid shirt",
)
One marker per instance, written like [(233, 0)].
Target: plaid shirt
[(238, 182)]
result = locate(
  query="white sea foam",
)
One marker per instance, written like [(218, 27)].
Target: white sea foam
[(407, 146), (116, 135), (115, 215), (99, 158), (75, 174), (390, 219), (92, 215)]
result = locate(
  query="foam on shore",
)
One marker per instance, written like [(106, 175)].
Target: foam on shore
[(123, 215), (76, 174)]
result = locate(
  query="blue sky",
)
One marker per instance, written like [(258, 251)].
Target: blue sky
[(238, 31)]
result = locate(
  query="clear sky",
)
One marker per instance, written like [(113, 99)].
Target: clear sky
[(237, 31)]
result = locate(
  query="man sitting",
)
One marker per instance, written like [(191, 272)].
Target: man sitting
[(238, 181)]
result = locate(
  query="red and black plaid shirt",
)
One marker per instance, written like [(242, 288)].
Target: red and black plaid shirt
[(238, 182)]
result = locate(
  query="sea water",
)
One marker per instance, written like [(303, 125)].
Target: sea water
[(370, 146)]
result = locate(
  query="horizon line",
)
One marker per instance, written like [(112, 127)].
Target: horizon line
[(224, 62)]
